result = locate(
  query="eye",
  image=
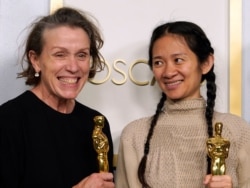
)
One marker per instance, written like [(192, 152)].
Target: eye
[(59, 54), (82, 55), (157, 63), (178, 60)]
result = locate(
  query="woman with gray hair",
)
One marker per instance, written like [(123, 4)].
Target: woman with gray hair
[(45, 133)]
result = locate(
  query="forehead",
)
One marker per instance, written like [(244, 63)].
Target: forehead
[(171, 38), (171, 43), (64, 32)]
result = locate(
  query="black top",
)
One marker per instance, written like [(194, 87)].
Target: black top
[(43, 148)]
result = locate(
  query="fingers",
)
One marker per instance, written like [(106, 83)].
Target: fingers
[(106, 176), (97, 180), (224, 181), (207, 179)]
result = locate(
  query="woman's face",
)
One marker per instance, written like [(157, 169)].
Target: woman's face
[(64, 63), (176, 68)]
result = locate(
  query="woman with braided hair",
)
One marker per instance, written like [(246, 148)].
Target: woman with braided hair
[(168, 149)]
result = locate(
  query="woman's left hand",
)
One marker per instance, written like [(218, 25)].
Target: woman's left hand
[(223, 181)]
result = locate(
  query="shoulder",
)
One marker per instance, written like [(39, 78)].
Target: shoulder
[(234, 126), (81, 108), (12, 113), (14, 105), (138, 127), (231, 120)]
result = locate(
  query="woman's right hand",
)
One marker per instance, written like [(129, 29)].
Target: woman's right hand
[(222, 181), (97, 180)]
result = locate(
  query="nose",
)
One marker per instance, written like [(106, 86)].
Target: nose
[(169, 71), (72, 64)]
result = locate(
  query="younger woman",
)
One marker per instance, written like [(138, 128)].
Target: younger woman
[(169, 148)]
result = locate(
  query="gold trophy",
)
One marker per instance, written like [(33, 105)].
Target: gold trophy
[(101, 144), (218, 149)]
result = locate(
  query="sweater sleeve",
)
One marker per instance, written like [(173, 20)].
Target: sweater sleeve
[(10, 148), (111, 149), (239, 132), (244, 162), (127, 164)]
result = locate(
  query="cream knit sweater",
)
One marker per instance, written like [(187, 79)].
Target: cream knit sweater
[(177, 156)]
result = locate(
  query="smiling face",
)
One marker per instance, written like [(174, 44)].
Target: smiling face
[(176, 68), (64, 63)]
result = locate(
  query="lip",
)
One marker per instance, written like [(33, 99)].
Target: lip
[(69, 80), (173, 84)]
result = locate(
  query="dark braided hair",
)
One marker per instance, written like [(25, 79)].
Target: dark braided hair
[(200, 45), (142, 166)]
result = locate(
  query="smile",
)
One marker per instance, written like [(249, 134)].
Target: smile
[(173, 83), (69, 80)]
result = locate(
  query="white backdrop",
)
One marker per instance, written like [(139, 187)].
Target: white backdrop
[(15, 16), (127, 26), (246, 60)]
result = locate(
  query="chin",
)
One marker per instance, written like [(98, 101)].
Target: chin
[(174, 97), (69, 96)]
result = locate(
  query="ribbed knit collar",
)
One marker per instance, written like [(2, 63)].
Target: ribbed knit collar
[(184, 105)]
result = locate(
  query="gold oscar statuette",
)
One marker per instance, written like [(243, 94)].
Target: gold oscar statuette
[(101, 144), (218, 148)]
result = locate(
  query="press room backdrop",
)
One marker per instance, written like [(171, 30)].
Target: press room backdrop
[(123, 91)]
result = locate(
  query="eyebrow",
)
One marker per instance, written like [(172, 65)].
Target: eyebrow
[(172, 55), (63, 48), (180, 54), (157, 57)]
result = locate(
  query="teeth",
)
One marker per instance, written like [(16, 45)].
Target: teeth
[(69, 80), (173, 83)]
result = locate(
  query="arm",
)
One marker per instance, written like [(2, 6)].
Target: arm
[(103, 179), (239, 130), (127, 165), (244, 166), (111, 150), (11, 149)]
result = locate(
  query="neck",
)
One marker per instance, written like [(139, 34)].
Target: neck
[(61, 105)]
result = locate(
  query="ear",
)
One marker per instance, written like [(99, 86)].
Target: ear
[(34, 60), (208, 64)]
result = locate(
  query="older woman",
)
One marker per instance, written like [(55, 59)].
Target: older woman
[(45, 134)]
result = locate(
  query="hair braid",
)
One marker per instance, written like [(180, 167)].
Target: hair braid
[(211, 95), (142, 165)]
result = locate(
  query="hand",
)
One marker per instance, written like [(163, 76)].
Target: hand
[(97, 180), (223, 181)]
